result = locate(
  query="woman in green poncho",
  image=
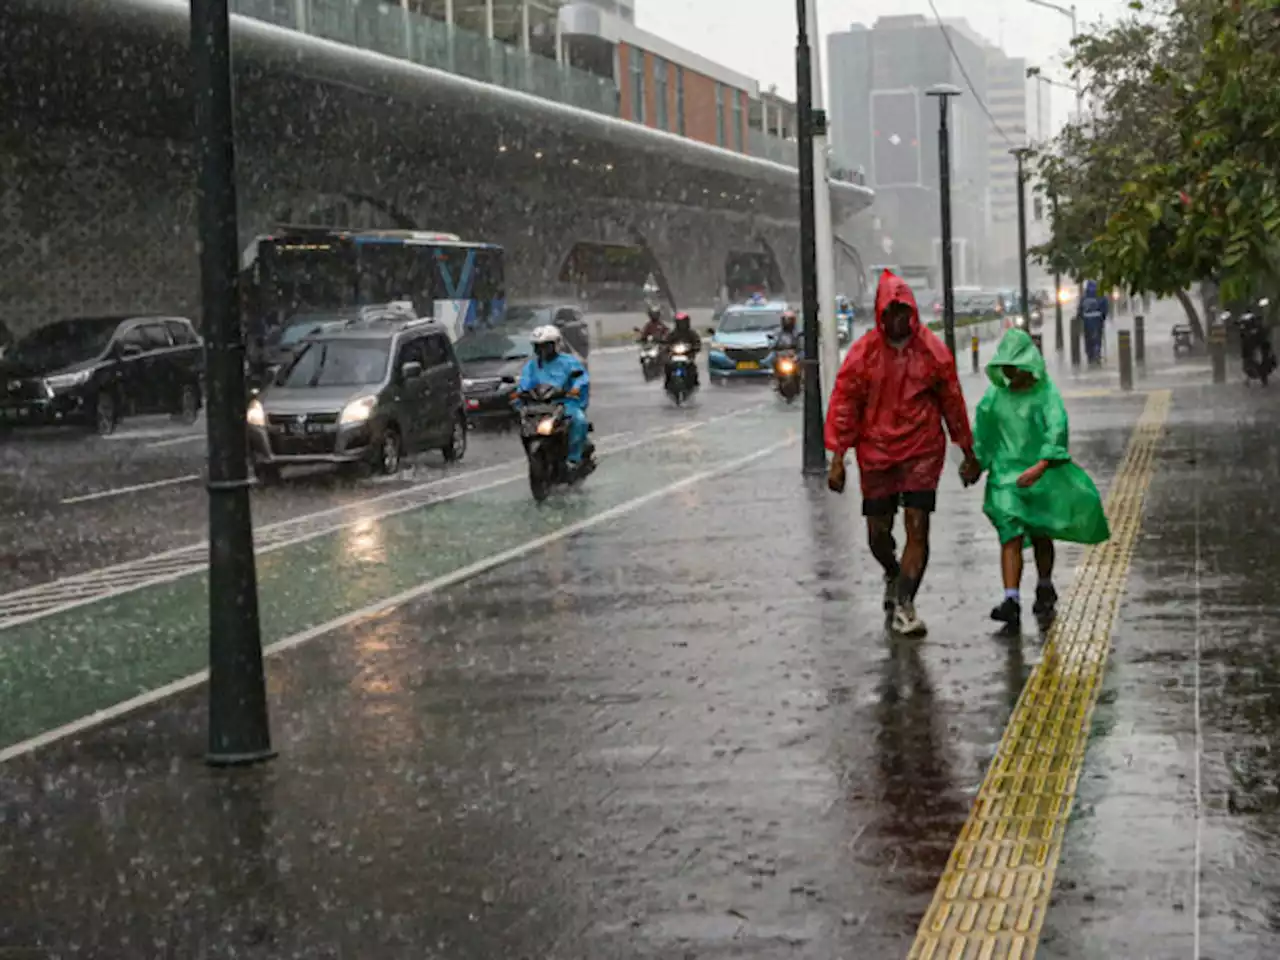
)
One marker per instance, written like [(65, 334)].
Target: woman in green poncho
[(1034, 490)]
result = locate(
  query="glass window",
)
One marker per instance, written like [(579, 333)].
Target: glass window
[(662, 115), (720, 141), (680, 100), (64, 342), (339, 363), (737, 119), (436, 349), (134, 339), (180, 332), (412, 352), (636, 58), (156, 336)]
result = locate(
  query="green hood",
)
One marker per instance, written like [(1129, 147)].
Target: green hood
[(1016, 349)]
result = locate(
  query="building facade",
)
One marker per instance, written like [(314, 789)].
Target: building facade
[(884, 124)]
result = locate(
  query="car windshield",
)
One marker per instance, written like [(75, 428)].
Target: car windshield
[(339, 363), (493, 345), (64, 343), (751, 321), (531, 316), (300, 327)]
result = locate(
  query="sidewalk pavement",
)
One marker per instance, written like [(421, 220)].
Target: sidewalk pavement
[(683, 732)]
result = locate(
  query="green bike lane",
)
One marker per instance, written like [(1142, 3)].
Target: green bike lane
[(59, 669)]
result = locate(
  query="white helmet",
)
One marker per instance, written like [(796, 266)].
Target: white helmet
[(546, 334)]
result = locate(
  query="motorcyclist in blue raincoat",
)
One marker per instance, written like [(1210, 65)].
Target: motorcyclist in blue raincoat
[(1093, 317), (549, 366)]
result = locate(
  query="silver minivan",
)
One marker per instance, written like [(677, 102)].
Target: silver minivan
[(362, 396)]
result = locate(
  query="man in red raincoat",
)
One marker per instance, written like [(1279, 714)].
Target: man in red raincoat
[(896, 388)]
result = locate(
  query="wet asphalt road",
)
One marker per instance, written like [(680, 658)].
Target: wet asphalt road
[(683, 732)]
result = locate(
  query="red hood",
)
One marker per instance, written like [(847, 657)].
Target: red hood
[(893, 288)]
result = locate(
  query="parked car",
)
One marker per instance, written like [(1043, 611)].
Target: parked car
[(567, 317), (98, 370), (368, 394), (491, 362)]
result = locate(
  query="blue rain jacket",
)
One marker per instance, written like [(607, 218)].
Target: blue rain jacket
[(556, 373)]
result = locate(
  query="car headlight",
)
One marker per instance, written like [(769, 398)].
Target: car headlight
[(255, 416), (358, 411), (717, 345), (65, 381), (468, 384), (545, 426)]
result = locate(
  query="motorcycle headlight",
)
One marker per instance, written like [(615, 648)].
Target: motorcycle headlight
[(545, 426), (786, 366), (358, 411), (680, 349), (255, 416), (65, 381)]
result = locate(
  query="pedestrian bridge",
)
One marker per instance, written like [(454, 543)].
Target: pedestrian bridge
[(97, 205)]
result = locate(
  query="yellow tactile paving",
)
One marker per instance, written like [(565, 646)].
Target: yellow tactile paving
[(991, 901)]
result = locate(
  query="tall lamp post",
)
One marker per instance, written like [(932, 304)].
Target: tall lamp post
[(239, 731), (1069, 13), (944, 92), (1021, 154), (809, 122)]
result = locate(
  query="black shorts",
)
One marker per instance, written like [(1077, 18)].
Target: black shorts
[(926, 500)]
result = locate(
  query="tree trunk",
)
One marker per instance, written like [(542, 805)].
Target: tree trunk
[(1193, 317)]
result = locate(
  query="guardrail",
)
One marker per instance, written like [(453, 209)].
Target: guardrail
[(397, 32)]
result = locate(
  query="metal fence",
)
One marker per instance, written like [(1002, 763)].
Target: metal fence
[(397, 32)]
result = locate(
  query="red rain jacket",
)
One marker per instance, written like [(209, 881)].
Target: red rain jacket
[(889, 405)]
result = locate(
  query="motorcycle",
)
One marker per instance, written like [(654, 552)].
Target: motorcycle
[(844, 327), (544, 431), (650, 359), (1256, 353), (786, 375), (681, 374)]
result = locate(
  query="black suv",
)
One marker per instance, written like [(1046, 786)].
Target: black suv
[(367, 393), (96, 370)]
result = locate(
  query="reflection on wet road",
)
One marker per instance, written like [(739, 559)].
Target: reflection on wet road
[(660, 717)]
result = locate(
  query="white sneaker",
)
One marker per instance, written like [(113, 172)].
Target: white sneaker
[(905, 620)]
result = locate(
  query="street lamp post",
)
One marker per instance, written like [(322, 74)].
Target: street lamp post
[(239, 731), (944, 92), (1070, 13), (808, 121), (1058, 343), (1021, 154)]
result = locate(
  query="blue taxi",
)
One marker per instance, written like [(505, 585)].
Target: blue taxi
[(742, 345)]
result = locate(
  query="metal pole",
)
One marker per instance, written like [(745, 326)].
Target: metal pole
[(1218, 351), (814, 456), (944, 174), (1140, 340), (239, 731), (824, 232), (973, 347), (1057, 288), (1022, 237), (1126, 360)]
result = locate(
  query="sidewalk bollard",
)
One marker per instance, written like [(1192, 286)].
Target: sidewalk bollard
[(1218, 352), (1126, 360), (1140, 340), (1038, 340), (1075, 341), (973, 347), (599, 330)]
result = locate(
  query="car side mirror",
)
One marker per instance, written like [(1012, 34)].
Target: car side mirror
[(711, 331), (411, 370)]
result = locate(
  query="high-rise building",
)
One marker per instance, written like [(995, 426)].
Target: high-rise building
[(1007, 100), (884, 123)]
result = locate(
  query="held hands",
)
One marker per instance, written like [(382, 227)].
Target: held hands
[(836, 475), (970, 470), (1032, 474)]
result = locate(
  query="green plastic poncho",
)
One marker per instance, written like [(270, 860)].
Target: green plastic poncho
[(1016, 429)]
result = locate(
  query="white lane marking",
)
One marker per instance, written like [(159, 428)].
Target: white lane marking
[(372, 610), (66, 594), (121, 491), (174, 441)]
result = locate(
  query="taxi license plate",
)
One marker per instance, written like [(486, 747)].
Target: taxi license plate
[(748, 365)]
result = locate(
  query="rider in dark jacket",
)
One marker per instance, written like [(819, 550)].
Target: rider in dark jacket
[(684, 333), (787, 338), (654, 328)]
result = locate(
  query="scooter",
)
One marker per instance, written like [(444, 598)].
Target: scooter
[(1256, 353), (786, 375), (544, 431), (650, 359), (681, 374)]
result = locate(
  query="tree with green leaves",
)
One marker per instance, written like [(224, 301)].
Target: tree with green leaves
[(1173, 180)]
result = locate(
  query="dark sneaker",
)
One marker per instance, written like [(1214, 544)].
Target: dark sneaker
[(1009, 613), (890, 592), (1046, 604)]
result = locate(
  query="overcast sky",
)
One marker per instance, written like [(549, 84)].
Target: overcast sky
[(757, 37)]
